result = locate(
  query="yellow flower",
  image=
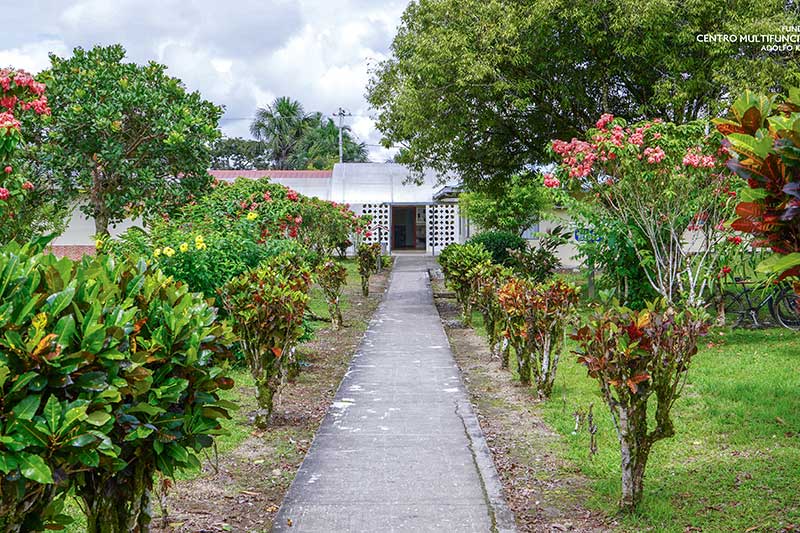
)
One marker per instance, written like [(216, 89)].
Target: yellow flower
[(200, 245), (169, 252), (252, 215), (156, 252), (98, 244), (183, 247), (198, 239)]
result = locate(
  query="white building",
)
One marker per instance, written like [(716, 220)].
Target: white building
[(408, 215)]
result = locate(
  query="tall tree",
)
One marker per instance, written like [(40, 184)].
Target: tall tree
[(129, 136), (482, 86), (280, 126), (318, 148), (235, 153)]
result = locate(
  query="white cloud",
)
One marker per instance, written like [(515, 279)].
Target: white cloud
[(239, 54)]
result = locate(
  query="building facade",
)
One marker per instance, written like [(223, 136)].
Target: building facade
[(410, 213)]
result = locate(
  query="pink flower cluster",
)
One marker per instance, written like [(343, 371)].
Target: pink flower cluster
[(4, 194), (551, 181), (292, 195), (654, 155), (578, 155), (694, 158), (605, 120), (9, 121), (21, 79)]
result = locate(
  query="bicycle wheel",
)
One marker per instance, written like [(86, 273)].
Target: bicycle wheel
[(736, 309), (786, 309)]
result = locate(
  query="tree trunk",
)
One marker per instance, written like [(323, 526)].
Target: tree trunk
[(120, 503), (523, 366), (466, 313), (634, 449), (365, 286), (265, 396), (335, 313), (505, 352)]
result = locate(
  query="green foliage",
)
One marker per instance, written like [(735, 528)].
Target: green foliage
[(538, 264), (294, 139), (130, 135), (513, 206), (487, 280), (459, 262), (106, 368), (478, 87), (266, 307), (235, 153), (764, 138), (635, 356), (234, 228), (664, 185), (498, 243), (332, 277), (318, 148), (367, 256), (537, 317)]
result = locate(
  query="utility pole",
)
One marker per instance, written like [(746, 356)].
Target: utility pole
[(341, 114)]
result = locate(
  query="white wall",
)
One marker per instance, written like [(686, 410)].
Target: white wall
[(80, 230)]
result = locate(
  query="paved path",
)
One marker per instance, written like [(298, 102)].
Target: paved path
[(400, 449)]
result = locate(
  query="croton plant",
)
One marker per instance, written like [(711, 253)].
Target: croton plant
[(763, 135)]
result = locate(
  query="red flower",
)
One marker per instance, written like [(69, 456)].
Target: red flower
[(4, 194), (8, 170), (267, 197), (292, 195), (551, 182), (735, 239), (28, 186)]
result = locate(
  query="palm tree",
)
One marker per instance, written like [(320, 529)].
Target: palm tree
[(319, 147), (280, 126)]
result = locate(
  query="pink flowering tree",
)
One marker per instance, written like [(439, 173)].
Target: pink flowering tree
[(20, 94), (668, 185)]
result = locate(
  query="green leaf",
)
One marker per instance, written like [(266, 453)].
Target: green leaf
[(98, 418), (52, 413), (778, 264), (34, 468), (27, 407), (60, 300)]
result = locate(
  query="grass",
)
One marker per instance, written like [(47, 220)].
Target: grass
[(734, 461)]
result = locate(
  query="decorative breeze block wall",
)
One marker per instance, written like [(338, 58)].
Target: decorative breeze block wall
[(442, 225), (380, 217)]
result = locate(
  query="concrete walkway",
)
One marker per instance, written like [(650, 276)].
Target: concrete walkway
[(400, 449)]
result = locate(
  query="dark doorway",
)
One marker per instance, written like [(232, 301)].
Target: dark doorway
[(408, 227)]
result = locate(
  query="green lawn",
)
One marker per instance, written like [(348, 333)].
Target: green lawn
[(734, 462)]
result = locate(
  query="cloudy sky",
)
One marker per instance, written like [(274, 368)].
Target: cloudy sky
[(237, 53)]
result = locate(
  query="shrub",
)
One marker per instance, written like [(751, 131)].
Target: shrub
[(635, 355), (266, 307), (20, 95), (666, 186), (764, 138), (486, 284), (458, 262), (332, 277), (538, 264), (108, 373), (367, 256), (498, 243), (537, 318)]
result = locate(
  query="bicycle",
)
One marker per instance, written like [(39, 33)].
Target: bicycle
[(782, 302)]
